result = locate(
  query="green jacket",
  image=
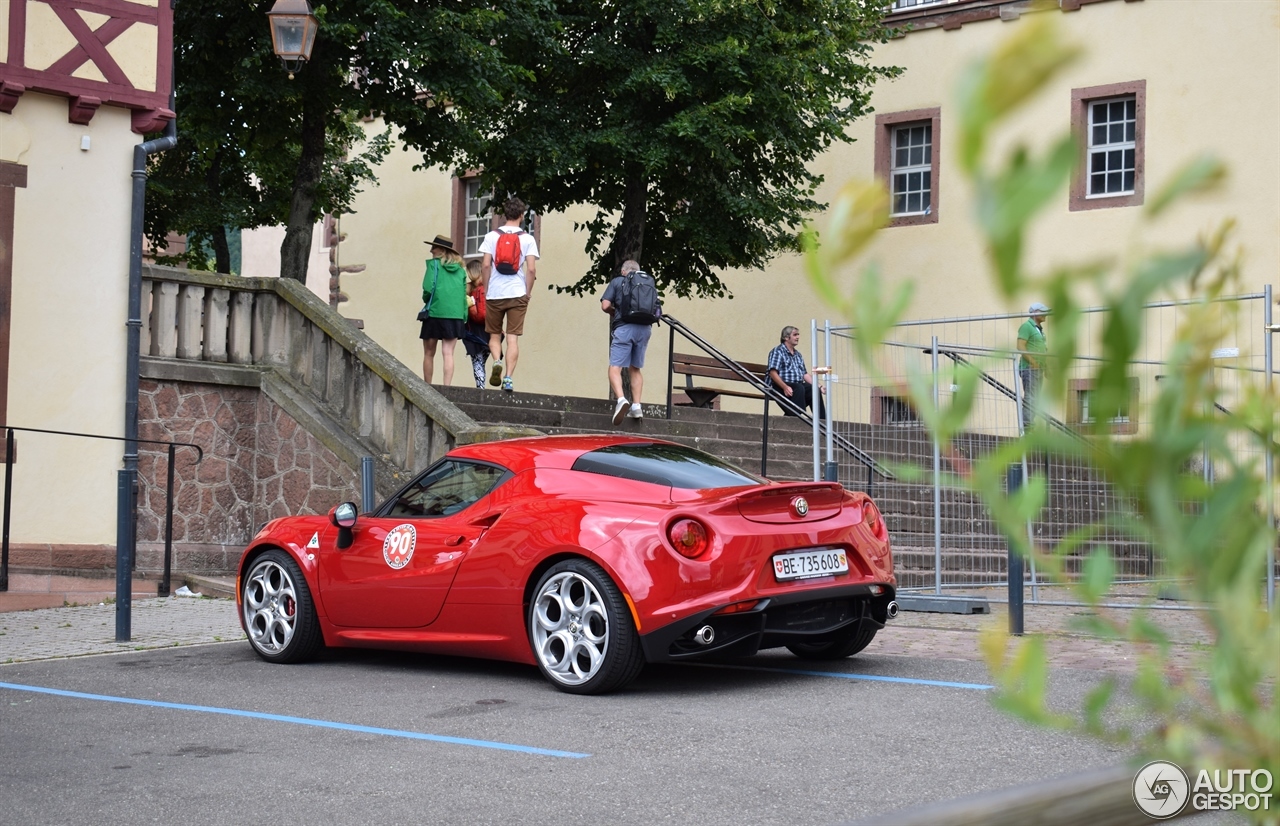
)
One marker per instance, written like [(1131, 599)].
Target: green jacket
[(450, 282)]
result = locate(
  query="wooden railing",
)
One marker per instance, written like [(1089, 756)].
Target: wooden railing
[(276, 334)]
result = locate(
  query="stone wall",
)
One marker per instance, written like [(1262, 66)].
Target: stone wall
[(258, 464)]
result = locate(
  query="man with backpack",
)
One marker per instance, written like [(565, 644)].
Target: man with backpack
[(632, 301), (509, 264)]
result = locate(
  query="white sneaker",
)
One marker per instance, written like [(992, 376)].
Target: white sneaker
[(635, 412), (620, 410)]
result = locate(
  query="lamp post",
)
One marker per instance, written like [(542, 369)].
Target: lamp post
[(293, 32)]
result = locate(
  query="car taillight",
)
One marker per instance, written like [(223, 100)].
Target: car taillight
[(871, 515), (689, 537)]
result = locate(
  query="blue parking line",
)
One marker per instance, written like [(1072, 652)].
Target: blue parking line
[(845, 676), (302, 721)]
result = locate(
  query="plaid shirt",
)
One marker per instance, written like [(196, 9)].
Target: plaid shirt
[(790, 366)]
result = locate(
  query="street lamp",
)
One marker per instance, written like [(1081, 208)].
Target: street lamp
[(293, 32)]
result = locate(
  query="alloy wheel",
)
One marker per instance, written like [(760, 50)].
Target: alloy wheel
[(570, 626), (270, 607)]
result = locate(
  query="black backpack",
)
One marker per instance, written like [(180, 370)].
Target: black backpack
[(638, 299)]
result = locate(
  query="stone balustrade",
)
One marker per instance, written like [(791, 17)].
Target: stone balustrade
[(275, 334)]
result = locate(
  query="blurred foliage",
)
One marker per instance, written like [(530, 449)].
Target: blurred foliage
[(1214, 711)]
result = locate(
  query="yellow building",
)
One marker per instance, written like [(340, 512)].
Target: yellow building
[(1188, 77)]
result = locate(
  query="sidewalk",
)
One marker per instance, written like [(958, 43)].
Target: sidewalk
[(73, 631)]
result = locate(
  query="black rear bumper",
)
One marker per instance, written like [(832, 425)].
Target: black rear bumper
[(807, 616)]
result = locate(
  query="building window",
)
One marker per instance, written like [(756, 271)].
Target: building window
[(1109, 122), (892, 406), (907, 161), (909, 178), (1082, 408), (474, 215), (899, 5)]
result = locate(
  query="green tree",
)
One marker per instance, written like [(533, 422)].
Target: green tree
[(256, 148), (687, 124), (1213, 538)]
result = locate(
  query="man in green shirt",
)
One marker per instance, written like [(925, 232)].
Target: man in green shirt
[(1032, 346)]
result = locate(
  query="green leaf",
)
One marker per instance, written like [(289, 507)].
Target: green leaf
[(1200, 175), (1021, 66), (1098, 573), (1095, 705)]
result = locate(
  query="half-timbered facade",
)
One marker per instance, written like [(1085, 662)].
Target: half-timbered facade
[(81, 81)]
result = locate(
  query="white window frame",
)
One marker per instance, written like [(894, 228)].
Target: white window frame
[(1128, 145), (477, 217), (924, 169)]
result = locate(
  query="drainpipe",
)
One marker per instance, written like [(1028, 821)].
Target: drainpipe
[(126, 487)]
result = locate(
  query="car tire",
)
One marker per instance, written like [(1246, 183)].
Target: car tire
[(845, 643), (581, 630), (279, 614)]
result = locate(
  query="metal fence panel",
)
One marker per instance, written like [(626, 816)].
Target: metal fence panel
[(943, 537)]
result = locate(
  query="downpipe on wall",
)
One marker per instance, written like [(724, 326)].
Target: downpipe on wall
[(127, 485)]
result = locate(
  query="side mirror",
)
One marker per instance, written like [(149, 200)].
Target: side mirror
[(344, 515), (344, 518)]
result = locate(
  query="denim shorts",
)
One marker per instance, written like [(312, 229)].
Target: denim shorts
[(627, 345)]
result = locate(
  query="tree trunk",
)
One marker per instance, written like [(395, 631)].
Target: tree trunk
[(218, 235), (221, 251), (296, 249), (628, 242)]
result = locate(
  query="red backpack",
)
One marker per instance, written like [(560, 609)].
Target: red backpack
[(507, 256)]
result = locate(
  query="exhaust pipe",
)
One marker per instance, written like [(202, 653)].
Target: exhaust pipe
[(892, 608), (704, 635)]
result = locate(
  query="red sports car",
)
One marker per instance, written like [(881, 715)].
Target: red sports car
[(587, 556)]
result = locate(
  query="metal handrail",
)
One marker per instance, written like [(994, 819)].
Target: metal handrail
[(1001, 387), (9, 442), (769, 392)]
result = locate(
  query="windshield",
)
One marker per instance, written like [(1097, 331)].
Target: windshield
[(676, 466)]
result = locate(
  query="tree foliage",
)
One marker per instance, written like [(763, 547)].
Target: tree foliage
[(256, 148), (687, 124), (1213, 538)]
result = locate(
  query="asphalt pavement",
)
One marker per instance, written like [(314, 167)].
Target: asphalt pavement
[(184, 724), (176, 621)]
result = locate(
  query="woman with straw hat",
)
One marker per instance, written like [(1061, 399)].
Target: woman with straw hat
[(444, 295)]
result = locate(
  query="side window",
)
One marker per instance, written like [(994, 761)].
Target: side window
[(1109, 122), (445, 489), (907, 161)]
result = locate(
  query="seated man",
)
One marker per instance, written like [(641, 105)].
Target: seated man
[(788, 373)]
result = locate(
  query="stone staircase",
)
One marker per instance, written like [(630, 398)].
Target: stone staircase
[(734, 437)]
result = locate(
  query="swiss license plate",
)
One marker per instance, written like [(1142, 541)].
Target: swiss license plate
[(808, 564)]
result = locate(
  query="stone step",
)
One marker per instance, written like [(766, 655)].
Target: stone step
[(463, 396), (567, 421)]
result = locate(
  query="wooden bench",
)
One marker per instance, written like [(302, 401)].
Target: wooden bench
[(706, 367)]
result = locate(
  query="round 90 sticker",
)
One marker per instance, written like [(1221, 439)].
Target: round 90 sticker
[(397, 548)]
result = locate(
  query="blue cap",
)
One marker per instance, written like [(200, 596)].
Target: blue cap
[(1038, 309)]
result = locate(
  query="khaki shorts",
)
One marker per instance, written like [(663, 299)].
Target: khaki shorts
[(513, 309)]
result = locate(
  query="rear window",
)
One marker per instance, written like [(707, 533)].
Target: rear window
[(676, 466)]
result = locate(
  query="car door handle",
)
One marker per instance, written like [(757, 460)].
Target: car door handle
[(454, 541)]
